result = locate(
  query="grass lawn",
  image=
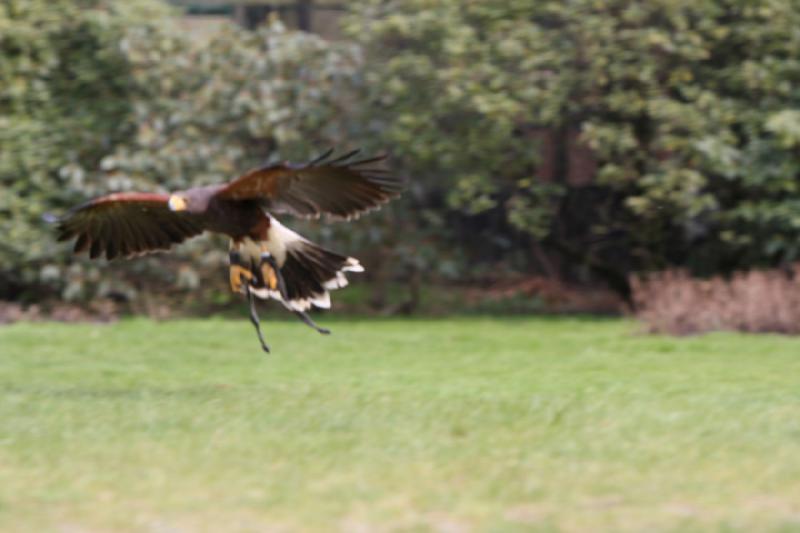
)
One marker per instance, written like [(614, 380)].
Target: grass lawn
[(471, 424)]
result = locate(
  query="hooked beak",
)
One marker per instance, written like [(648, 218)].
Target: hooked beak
[(176, 203)]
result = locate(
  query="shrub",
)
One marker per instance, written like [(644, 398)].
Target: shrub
[(757, 301), (103, 96), (66, 91), (689, 109)]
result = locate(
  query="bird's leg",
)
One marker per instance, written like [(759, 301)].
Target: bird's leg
[(239, 274), (254, 317), (274, 280), (302, 315)]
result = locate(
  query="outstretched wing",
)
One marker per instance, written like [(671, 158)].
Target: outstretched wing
[(341, 188), (125, 224)]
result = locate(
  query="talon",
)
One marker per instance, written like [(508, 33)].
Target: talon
[(269, 276), (238, 275), (270, 273)]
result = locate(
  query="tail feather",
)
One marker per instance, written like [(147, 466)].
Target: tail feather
[(309, 271)]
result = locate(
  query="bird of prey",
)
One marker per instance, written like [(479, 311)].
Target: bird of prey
[(267, 259)]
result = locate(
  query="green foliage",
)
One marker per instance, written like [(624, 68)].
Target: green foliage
[(211, 111), (695, 126), (126, 102), (214, 110), (66, 90), (690, 110), (444, 81)]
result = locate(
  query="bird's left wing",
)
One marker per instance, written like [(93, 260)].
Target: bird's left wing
[(126, 224), (341, 188)]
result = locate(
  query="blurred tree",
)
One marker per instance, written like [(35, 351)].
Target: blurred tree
[(66, 90), (589, 137), (109, 96), (208, 113), (243, 99), (689, 109)]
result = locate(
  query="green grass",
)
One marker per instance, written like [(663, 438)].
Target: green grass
[(403, 425)]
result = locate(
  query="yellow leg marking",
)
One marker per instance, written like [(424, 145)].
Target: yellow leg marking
[(270, 278), (267, 272), (236, 273)]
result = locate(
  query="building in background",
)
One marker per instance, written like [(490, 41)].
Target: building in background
[(318, 16)]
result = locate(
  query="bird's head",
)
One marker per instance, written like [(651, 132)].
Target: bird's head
[(178, 202), (192, 200)]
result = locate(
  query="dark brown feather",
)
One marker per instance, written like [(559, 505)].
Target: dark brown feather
[(339, 188), (125, 224), (307, 269)]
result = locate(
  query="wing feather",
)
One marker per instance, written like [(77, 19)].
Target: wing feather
[(126, 224), (81, 243), (341, 188), (96, 249)]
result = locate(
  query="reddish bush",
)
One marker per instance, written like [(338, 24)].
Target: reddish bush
[(757, 301)]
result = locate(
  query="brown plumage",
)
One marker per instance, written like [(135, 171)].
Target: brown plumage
[(267, 259), (126, 224), (339, 190)]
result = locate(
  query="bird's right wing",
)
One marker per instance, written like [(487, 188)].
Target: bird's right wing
[(126, 224), (341, 188)]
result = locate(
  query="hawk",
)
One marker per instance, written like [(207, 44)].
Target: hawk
[(267, 259)]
